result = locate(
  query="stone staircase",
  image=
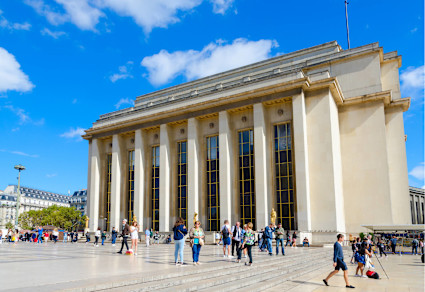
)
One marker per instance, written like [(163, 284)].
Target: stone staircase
[(267, 273)]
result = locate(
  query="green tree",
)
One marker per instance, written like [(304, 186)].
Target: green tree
[(10, 225), (62, 217)]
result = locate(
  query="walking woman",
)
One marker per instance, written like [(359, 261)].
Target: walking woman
[(96, 236), (179, 233), (361, 259), (248, 241), (196, 235), (134, 233)]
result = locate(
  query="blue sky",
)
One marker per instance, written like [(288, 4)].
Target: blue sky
[(65, 62)]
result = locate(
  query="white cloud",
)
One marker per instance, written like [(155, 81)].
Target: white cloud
[(418, 172), (80, 12), (53, 34), (24, 154), (124, 72), (23, 116), (4, 23), (74, 101), (221, 6), (150, 14), (51, 175), (11, 75), (74, 133), (214, 58), (412, 82), (414, 30), (124, 101)]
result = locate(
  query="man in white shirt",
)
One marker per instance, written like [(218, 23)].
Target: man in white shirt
[(236, 237)]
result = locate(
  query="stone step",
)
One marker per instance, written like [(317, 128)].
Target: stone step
[(209, 270), (203, 274), (223, 278), (259, 279)]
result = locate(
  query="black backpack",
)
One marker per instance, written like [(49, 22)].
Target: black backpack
[(225, 232)]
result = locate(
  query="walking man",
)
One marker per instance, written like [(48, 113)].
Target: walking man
[(280, 234), (339, 262), (225, 232), (236, 237), (125, 232), (268, 234)]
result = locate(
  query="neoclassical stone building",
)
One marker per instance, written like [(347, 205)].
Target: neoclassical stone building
[(316, 134)]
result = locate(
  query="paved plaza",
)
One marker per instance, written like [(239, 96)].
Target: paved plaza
[(82, 267)]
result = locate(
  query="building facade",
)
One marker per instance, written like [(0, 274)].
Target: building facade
[(79, 201), (315, 135), (417, 201), (31, 199)]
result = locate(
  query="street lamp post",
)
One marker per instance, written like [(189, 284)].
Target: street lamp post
[(19, 167)]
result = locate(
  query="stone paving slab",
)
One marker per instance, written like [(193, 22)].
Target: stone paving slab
[(50, 267)]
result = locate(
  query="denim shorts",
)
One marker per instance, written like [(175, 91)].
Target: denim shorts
[(226, 241), (340, 265)]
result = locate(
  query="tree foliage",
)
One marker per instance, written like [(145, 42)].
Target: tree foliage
[(61, 217), (10, 225)]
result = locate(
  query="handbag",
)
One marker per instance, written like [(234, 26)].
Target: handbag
[(201, 242)]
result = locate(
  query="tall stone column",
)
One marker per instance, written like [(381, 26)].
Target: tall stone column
[(262, 166), (164, 173), (116, 183), (139, 175), (302, 176), (325, 167), (225, 166), (94, 184), (193, 152)]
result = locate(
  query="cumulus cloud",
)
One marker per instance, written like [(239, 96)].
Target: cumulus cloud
[(82, 13), (412, 82), (53, 34), (418, 172), (221, 6), (86, 14), (213, 58), (150, 14), (124, 101), (11, 75), (124, 72), (74, 133)]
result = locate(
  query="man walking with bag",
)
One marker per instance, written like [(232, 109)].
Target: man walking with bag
[(125, 232), (339, 262), (236, 237)]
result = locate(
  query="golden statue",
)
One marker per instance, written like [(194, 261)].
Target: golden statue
[(273, 216), (195, 218), (134, 218), (87, 221)]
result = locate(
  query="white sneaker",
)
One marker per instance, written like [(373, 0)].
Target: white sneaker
[(224, 256), (135, 253), (245, 256), (357, 275), (364, 276), (230, 257)]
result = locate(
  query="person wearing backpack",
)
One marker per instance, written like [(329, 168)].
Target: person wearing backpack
[(248, 241), (415, 244), (225, 232), (103, 237)]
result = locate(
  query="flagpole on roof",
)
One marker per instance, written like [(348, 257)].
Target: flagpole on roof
[(346, 23)]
